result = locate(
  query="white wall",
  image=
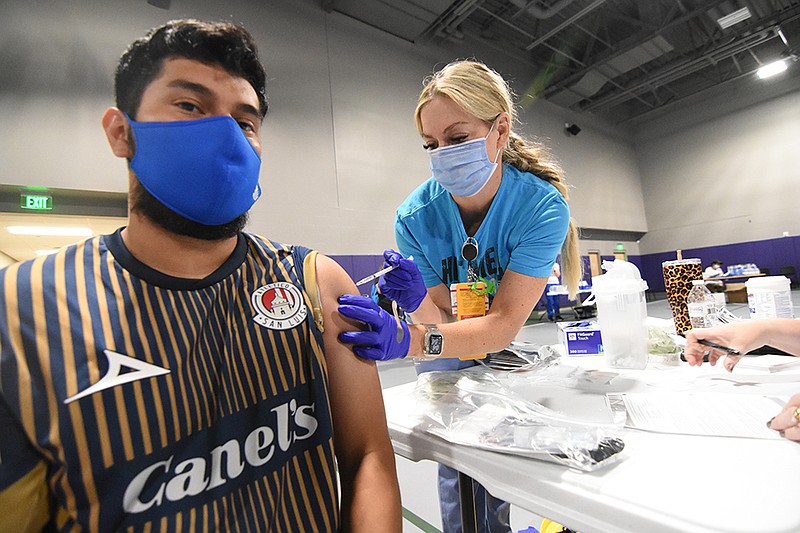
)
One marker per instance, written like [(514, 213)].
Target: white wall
[(340, 147), (608, 190), (374, 79), (731, 179)]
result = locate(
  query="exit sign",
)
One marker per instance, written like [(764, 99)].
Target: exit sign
[(36, 202)]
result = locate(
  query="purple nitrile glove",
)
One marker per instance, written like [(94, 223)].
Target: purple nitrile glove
[(404, 284), (387, 338)]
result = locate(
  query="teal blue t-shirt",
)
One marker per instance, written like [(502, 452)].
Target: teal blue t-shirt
[(523, 231)]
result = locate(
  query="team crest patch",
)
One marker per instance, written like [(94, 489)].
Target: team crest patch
[(279, 306)]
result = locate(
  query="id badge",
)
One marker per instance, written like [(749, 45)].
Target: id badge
[(466, 301)]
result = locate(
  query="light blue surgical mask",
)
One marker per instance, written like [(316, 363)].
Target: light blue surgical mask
[(463, 169), (205, 169)]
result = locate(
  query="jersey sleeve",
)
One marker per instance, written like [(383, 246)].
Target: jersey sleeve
[(24, 493)]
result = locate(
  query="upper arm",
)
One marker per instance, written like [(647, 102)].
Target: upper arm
[(357, 407)]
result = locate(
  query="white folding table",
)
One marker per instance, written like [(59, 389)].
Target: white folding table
[(663, 483)]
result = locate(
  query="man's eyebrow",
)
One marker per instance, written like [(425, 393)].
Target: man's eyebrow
[(249, 110), (201, 89)]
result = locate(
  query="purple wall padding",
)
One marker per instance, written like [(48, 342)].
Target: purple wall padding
[(359, 266), (587, 268), (770, 254)]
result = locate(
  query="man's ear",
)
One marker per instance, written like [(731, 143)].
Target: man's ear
[(117, 132)]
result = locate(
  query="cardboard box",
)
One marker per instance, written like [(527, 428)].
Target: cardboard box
[(736, 293), (580, 338)]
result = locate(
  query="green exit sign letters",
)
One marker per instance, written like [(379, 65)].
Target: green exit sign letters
[(36, 202)]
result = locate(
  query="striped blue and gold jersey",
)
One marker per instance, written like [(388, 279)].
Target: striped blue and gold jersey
[(134, 401)]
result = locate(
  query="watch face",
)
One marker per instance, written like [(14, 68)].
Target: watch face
[(435, 344)]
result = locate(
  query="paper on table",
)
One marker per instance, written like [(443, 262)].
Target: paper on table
[(723, 415), (770, 362)]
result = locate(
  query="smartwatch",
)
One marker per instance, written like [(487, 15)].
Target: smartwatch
[(434, 340)]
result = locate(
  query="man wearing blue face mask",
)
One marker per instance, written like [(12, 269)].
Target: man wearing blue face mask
[(494, 210), (181, 374)]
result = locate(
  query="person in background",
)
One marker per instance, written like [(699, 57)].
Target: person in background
[(494, 210), (714, 270), (172, 376), (745, 336), (553, 307)]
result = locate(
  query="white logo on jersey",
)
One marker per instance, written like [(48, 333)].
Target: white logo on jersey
[(226, 462), (279, 306), (116, 361)]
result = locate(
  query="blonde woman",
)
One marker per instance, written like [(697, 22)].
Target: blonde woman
[(495, 209)]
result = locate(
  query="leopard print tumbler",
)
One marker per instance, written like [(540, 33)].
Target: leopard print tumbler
[(678, 277)]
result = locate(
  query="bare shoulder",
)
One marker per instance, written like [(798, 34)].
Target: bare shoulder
[(333, 280)]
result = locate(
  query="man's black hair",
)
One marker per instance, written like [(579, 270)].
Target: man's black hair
[(214, 43)]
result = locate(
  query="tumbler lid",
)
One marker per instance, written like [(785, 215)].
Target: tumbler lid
[(689, 261), (620, 277)]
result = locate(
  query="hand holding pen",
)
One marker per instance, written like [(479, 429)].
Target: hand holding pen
[(730, 341), (732, 356)]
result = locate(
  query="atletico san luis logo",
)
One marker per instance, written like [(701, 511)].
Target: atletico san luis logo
[(279, 306)]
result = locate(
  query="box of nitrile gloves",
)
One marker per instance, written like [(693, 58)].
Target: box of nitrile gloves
[(580, 338)]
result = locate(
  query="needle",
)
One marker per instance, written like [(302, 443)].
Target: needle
[(376, 275), (379, 273)]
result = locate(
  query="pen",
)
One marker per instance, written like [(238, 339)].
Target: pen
[(718, 347), (379, 273)]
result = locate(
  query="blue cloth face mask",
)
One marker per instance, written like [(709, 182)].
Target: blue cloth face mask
[(205, 170), (463, 169)]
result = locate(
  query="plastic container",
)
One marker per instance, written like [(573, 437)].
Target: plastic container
[(701, 304), (769, 297), (622, 314), (719, 299)]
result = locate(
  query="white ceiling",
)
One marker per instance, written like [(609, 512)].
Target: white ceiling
[(22, 247)]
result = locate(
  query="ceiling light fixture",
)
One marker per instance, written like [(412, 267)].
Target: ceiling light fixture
[(50, 231), (734, 18), (771, 69)]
